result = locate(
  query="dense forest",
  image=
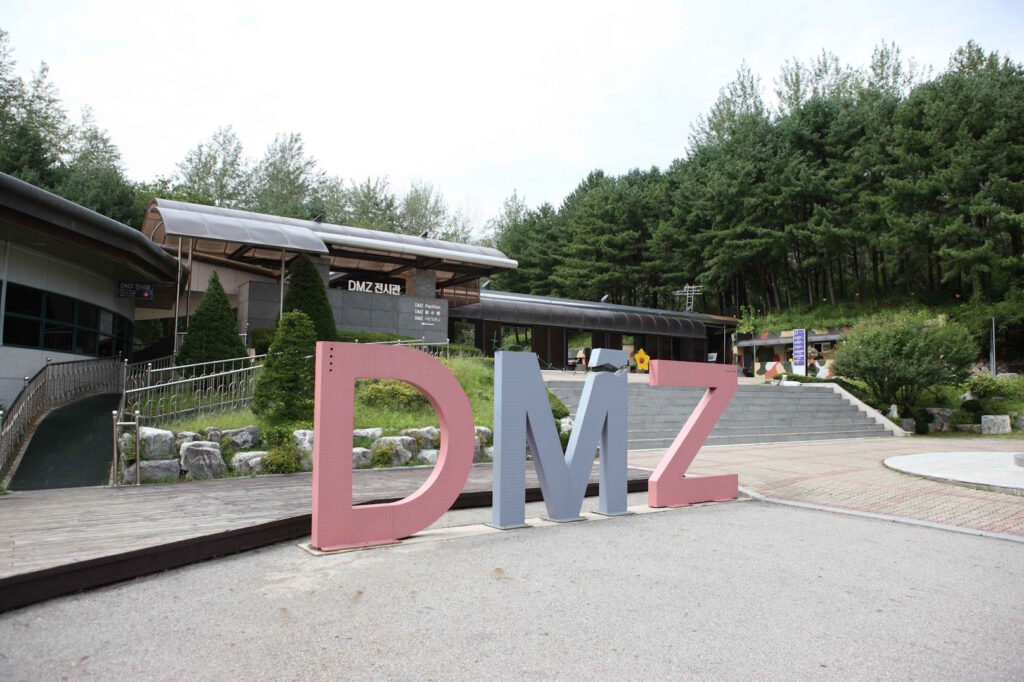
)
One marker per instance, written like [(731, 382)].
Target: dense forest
[(876, 184), (886, 184)]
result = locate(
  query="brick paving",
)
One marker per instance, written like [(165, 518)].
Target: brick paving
[(850, 475)]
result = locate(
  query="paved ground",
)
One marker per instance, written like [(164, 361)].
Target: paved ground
[(741, 590), (850, 475), (997, 470), (72, 446)]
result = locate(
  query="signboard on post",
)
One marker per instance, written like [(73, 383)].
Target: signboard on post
[(800, 352)]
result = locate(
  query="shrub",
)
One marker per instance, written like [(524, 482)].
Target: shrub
[(900, 355), (558, 409), (307, 294), (283, 459), (392, 395), (464, 350), (964, 417), (369, 337), (988, 386), (284, 390), (213, 330), (260, 339), (227, 451), (973, 407), (383, 455)]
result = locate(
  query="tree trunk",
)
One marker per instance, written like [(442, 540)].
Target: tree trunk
[(874, 268), (831, 286), (789, 288)]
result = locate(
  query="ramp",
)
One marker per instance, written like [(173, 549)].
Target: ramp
[(70, 448)]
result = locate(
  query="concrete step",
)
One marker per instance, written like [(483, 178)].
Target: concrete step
[(657, 443)]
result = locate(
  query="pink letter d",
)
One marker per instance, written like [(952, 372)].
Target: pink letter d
[(336, 523)]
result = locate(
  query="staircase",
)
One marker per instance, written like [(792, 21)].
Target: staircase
[(756, 414)]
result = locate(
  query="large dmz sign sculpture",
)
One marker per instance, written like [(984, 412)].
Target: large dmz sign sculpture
[(522, 415)]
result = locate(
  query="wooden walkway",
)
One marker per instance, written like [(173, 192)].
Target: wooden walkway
[(45, 529)]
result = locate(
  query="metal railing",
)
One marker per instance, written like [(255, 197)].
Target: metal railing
[(53, 385), (162, 371), (176, 392), (438, 348)]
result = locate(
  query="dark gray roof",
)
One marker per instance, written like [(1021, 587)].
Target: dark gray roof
[(63, 228), (524, 310)]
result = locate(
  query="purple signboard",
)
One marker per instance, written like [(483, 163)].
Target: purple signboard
[(800, 352)]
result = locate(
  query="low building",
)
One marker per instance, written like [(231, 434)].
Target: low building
[(71, 281)]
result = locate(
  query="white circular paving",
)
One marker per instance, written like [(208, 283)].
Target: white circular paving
[(997, 470)]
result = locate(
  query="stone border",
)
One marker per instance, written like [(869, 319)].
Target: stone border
[(867, 409)]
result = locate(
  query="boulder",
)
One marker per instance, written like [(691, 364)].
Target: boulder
[(940, 419), (968, 396), (489, 452), (995, 424), (248, 462), (484, 435), (202, 459), (243, 438), (394, 450), (157, 443), (1019, 423), (426, 438), (894, 412), (124, 442), (478, 449), (429, 456), (565, 425), (372, 434), (303, 439), (361, 458), (213, 434), (185, 437), (1007, 375), (156, 470), (908, 425)]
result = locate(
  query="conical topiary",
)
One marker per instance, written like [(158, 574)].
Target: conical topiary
[(306, 293), (213, 330), (284, 389)]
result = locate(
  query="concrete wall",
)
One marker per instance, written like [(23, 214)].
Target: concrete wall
[(41, 271), (413, 316)]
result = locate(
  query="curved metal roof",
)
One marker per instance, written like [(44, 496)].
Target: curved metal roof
[(79, 234), (223, 231), (527, 311)]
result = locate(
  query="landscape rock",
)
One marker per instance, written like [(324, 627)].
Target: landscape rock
[(429, 456), (202, 459), (184, 437), (894, 412), (303, 439), (995, 424), (484, 435), (908, 425), (489, 451), (397, 450), (248, 462), (1007, 375), (124, 442), (245, 437), (426, 438), (940, 419), (213, 434), (1019, 423), (157, 443), (968, 396), (361, 458), (478, 449), (967, 428), (373, 434), (156, 470)]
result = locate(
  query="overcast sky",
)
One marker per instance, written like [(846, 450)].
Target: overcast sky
[(477, 98)]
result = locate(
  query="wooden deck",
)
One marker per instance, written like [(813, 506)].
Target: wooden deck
[(46, 529)]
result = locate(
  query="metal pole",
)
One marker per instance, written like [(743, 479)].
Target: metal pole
[(280, 310), (138, 451), (177, 301), (992, 349), (188, 298), (113, 475)]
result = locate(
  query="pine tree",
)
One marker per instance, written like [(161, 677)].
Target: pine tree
[(212, 333), (307, 294), (284, 390)]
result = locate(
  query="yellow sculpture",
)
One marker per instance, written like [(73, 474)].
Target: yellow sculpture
[(642, 360)]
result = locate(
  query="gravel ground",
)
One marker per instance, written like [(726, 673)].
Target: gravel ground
[(744, 590)]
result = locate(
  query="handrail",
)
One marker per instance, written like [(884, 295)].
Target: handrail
[(55, 384)]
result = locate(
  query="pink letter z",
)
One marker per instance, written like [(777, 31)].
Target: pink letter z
[(669, 486)]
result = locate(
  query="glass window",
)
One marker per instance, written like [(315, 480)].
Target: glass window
[(88, 315), (24, 301), (60, 308), (19, 332), (106, 321), (57, 336), (106, 348), (85, 342)]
